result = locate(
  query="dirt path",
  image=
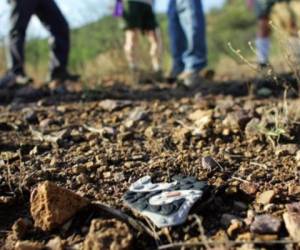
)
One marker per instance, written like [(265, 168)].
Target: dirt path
[(96, 143)]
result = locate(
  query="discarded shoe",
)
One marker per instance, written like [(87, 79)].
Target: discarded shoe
[(165, 204)]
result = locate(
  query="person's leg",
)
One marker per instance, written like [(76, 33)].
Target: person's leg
[(177, 40), (21, 12), (149, 27), (53, 19), (263, 9), (192, 21), (263, 41), (130, 46), (155, 48)]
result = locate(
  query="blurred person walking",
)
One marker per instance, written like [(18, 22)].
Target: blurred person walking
[(54, 21), (187, 40), (263, 9), (139, 18)]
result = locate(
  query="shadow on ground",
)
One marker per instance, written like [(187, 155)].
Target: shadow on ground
[(117, 90)]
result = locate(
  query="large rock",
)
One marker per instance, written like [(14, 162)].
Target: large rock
[(292, 220), (265, 224), (266, 197), (51, 206), (108, 235)]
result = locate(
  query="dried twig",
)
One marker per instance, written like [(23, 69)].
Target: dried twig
[(126, 218)]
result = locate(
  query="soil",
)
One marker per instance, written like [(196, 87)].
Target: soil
[(97, 142)]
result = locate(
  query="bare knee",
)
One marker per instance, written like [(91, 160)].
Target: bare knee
[(130, 40)]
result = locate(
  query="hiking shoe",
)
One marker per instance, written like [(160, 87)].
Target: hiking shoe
[(172, 76), (23, 80), (190, 80), (10, 80), (63, 76)]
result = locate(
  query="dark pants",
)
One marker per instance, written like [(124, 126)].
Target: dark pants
[(53, 20)]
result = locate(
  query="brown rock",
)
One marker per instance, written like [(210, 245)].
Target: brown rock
[(20, 228), (292, 220), (236, 120), (294, 190), (29, 245), (108, 235), (55, 244), (266, 197), (113, 105), (181, 135), (210, 164), (286, 149), (265, 224), (51, 206), (234, 228), (202, 119), (248, 188), (252, 128)]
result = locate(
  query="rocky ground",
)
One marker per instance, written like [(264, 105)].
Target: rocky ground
[(95, 143)]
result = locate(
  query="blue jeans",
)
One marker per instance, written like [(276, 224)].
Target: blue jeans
[(187, 35)]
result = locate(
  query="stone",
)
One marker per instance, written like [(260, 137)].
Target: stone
[(181, 135), (249, 188), (199, 114), (291, 220), (265, 224), (119, 177), (252, 128), (227, 219), (297, 157), (236, 120), (234, 228), (266, 197), (46, 123), (108, 235), (210, 163), (51, 206), (138, 114), (202, 119), (114, 105), (286, 149), (55, 244), (264, 92), (82, 179), (150, 132), (20, 228), (107, 175), (29, 245), (294, 190)]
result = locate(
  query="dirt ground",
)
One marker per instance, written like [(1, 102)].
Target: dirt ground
[(97, 142)]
